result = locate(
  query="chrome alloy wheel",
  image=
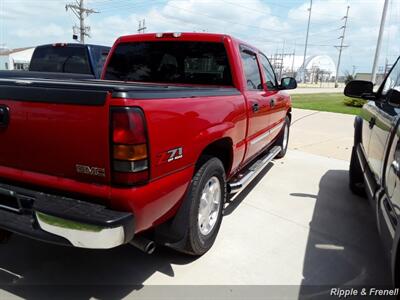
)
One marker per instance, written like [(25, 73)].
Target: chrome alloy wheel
[(285, 137), (210, 203)]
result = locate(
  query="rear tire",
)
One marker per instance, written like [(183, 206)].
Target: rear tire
[(356, 177), (283, 139), (206, 195)]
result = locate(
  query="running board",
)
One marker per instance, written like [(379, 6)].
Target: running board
[(240, 181)]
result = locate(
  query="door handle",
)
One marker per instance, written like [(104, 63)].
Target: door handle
[(272, 102), (255, 107), (4, 116), (372, 122)]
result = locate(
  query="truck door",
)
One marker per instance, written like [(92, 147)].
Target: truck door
[(383, 118), (277, 102), (257, 104), (367, 113)]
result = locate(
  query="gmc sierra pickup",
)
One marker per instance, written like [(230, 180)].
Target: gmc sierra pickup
[(375, 160), (178, 124)]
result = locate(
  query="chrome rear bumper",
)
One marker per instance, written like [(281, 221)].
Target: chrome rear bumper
[(80, 234), (62, 220)]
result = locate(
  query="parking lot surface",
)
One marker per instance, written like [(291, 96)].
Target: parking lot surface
[(322, 133), (297, 224), (316, 90)]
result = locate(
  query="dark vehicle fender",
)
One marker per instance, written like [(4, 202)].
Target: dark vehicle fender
[(395, 259)]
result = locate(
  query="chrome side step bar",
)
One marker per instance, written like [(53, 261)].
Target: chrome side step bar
[(240, 182)]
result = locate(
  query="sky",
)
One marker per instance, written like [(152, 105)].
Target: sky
[(271, 25)]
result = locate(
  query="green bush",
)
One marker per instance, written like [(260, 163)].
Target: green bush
[(354, 102)]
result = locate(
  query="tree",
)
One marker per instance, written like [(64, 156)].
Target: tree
[(348, 77)]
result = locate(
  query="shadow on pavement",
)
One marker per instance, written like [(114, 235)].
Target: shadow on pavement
[(343, 245), (343, 248), (36, 270)]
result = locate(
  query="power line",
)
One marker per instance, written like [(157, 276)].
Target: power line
[(127, 6), (79, 11), (341, 45)]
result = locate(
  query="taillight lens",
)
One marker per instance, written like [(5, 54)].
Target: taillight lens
[(128, 127), (129, 146)]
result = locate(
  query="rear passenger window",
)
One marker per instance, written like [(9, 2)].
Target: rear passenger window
[(269, 73), (62, 59), (251, 71)]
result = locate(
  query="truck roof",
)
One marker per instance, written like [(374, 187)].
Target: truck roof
[(186, 36), (72, 45)]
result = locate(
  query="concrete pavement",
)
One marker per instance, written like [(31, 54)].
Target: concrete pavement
[(316, 90), (297, 224), (322, 133)]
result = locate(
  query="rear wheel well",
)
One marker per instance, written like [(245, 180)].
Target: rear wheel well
[(221, 149)]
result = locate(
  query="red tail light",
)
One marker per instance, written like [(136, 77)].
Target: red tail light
[(130, 163)]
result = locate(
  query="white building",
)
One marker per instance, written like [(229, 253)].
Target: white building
[(15, 59)]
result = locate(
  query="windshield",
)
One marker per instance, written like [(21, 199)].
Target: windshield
[(60, 59), (170, 62)]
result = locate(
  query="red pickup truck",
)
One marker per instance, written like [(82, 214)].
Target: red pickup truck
[(179, 124)]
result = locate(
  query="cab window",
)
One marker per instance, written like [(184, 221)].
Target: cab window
[(269, 73), (251, 70), (184, 62)]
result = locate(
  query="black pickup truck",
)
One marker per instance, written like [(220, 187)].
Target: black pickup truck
[(375, 160), (64, 61)]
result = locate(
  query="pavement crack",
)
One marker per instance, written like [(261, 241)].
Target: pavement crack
[(277, 215)]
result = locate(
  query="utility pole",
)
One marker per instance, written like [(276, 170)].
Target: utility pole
[(277, 61), (142, 26), (354, 70), (306, 44), (379, 43), (341, 45), (80, 11)]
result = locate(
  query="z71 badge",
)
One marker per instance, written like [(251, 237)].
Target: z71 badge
[(170, 155)]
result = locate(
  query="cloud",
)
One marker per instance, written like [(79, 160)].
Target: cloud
[(52, 31)]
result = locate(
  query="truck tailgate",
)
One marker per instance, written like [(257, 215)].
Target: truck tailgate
[(59, 130)]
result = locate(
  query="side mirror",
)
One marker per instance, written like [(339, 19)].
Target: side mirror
[(393, 97), (288, 83), (360, 89)]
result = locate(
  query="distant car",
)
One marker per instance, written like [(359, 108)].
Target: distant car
[(375, 159), (69, 58)]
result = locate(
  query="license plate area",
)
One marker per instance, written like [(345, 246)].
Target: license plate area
[(10, 200)]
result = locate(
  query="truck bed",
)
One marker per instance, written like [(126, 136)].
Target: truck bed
[(45, 75), (40, 89), (56, 125)]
